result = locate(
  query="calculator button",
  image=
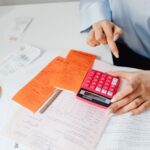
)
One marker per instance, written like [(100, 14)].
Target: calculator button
[(92, 73), (89, 78), (109, 93), (108, 81), (111, 89), (88, 81), (101, 82), (98, 73), (109, 78), (114, 81), (104, 75), (106, 84), (97, 77), (105, 87), (95, 80), (92, 87), (103, 79), (112, 86), (100, 85), (98, 89), (86, 85), (104, 91), (93, 83)]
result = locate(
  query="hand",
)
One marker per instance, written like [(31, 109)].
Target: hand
[(105, 32), (134, 98)]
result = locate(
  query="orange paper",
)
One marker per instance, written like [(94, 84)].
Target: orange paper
[(39, 89), (74, 69)]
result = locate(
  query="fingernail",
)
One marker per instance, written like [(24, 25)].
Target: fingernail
[(116, 37), (113, 100), (116, 54)]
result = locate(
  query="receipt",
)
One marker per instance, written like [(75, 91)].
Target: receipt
[(18, 27), (19, 59)]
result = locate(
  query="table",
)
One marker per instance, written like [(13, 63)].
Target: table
[(55, 27)]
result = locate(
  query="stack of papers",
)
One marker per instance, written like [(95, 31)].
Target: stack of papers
[(62, 73), (69, 124)]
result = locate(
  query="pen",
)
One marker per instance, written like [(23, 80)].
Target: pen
[(50, 100)]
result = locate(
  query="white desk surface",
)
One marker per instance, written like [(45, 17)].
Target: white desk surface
[(55, 27)]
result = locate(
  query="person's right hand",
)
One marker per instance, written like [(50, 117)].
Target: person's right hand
[(105, 32)]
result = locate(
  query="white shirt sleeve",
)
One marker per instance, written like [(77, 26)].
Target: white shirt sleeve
[(92, 11)]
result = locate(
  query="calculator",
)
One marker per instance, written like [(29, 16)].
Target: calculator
[(98, 88)]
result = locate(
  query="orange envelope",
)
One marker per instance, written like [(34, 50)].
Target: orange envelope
[(74, 69), (39, 89)]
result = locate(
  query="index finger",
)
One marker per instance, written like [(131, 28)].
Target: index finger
[(123, 93), (110, 39)]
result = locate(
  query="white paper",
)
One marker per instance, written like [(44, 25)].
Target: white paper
[(69, 124), (7, 144), (18, 27), (127, 132), (20, 58)]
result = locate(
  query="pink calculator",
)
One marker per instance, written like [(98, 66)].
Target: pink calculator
[(98, 88)]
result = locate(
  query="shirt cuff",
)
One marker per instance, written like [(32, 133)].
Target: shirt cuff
[(95, 12)]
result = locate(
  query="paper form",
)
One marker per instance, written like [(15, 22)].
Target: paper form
[(69, 124), (7, 144), (35, 93), (127, 132), (74, 69), (20, 58)]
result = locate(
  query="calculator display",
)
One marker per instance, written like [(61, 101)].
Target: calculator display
[(92, 97), (98, 87)]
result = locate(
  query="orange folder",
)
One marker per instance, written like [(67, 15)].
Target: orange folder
[(39, 89), (74, 69)]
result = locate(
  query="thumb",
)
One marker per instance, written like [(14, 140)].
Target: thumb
[(121, 74)]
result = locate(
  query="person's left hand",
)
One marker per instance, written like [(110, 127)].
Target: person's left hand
[(134, 98)]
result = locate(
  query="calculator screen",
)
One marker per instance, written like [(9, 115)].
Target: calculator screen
[(93, 97)]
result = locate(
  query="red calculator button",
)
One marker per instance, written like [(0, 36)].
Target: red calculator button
[(111, 89), (97, 77), (106, 84), (105, 87), (100, 85), (92, 87), (98, 73), (104, 75), (88, 81), (109, 78), (108, 81), (89, 78), (95, 80), (98, 89), (92, 73), (101, 82), (93, 83), (112, 86), (103, 79), (86, 85)]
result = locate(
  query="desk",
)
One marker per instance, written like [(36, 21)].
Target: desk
[(55, 28)]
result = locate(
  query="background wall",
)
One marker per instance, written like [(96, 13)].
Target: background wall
[(11, 2)]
